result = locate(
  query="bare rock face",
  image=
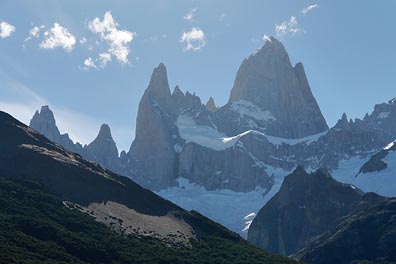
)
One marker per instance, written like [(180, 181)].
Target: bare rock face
[(268, 80), (233, 169), (44, 122), (306, 206), (210, 105), (103, 150), (160, 154), (152, 157)]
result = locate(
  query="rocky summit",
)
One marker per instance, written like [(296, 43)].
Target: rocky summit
[(44, 122), (103, 150), (267, 79)]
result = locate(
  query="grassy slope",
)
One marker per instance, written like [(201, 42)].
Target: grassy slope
[(35, 227)]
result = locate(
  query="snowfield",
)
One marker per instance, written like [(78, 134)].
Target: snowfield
[(381, 182), (234, 210)]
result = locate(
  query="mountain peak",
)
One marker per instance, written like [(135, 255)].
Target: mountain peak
[(46, 112), (158, 88), (274, 42), (177, 90), (210, 105), (105, 131), (103, 149), (267, 79), (273, 47), (44, 122)]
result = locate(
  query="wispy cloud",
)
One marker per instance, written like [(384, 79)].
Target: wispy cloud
[(6, 29), (34, 32), (80, 127), (104, 58), (309, 9), (194, 39), (117, 39), (289, 27), (190, 14), (89, 63), (58, 37), (25, 103)]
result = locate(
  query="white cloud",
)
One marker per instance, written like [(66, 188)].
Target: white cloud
[(104, 58), (117, 39), (309, 9), (89, 63), (190, 14), (58, 36), (100, 62), (34, 32), (194, 39), (288, 27), (6, 29)]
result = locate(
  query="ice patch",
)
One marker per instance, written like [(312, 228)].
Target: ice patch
[(348, 168), (291, 141), (203, 135), (390, 145), (381, 182), (250, 216), (245, 108), (211, 138)]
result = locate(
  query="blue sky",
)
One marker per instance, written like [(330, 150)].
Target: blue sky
[(347, 48)]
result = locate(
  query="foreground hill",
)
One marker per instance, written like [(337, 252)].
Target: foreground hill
[(322, 221), (307, 205), (366, 237), (57, 207)]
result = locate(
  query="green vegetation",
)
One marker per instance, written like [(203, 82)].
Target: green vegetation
[(35, 227)]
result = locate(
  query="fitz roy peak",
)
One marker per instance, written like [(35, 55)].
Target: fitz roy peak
[(267, 79)]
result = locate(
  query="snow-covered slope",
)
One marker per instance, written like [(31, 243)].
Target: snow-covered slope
[(381, 180), (234, 210)]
